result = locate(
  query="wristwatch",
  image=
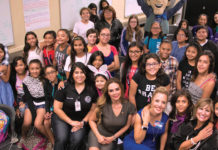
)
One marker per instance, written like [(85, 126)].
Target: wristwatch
[(145, 128)]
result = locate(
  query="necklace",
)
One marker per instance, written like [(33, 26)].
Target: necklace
[(154, 133)]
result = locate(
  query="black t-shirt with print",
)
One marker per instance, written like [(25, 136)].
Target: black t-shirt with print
[(146, 88), (69, 96), (187, 71)]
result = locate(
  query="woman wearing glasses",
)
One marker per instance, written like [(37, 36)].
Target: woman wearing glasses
[(111, 58), (144, 82)]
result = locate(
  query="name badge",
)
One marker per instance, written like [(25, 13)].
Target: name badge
[(77, 106), (158, 124)]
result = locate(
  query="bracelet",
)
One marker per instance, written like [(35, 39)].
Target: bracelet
[(114, 138), (192, 142)]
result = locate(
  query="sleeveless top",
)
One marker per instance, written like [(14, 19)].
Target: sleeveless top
[(196, 91), (61, 57)]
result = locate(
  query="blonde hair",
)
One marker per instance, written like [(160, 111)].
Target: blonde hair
[(162, 90), (105, 98), (203, 102)]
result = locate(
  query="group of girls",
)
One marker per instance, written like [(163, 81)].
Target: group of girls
[(65, 86)]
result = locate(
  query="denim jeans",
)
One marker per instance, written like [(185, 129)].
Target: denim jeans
[(64, 138)]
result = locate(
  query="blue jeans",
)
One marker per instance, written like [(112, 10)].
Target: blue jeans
[(64, 138)]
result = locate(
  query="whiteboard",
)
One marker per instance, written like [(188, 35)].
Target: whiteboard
[(6, 32), (70, 11), (132, 7)]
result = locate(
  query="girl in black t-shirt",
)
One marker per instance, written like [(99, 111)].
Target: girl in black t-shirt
[(186, 66), (144, 82), (72, 107)]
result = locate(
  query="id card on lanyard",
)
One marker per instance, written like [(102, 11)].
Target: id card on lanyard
[(77, 105)]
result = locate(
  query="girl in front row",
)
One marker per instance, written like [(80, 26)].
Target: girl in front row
[(79, 53), (34, 97), (181, 112), (50, 87)]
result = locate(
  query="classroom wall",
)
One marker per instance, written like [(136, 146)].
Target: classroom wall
[(19, 27)]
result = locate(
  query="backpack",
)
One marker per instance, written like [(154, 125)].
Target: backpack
[(4, 122)]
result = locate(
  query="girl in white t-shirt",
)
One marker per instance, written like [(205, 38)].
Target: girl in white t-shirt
[(79, 53), (31, 48), (81, 27)]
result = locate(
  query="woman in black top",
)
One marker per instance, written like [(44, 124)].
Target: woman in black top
[(109, 20), (198, 133), (73, 106)]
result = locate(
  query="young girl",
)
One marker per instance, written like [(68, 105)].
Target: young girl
[(202, 84), (31, 48), (216, 113), (145, 81), (62, 51), (181, 112), (34, 97), (202, 21), (130, 66), (179, 46), (91, 35), (79, 53), (183, 24), (48, 49), (81, 27), (18, 73), (50, 88), (130, 34), (154, 38), (6, 93), (186, 66)]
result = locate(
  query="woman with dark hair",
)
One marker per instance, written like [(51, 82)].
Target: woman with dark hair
[(111, 58), (202, 21), (73, 106), (181, 112), (111, 118), (93, 9), (132, 33), (131, 65), (198, 133), (102, 5), (179, 46), (146, 80), (109, 20), (202, 84), (184, 24)]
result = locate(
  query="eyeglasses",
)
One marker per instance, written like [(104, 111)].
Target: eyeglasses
[(152, 65), (155, 28), (49, 73), (105, 35), (134, 52), (181, 35)]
